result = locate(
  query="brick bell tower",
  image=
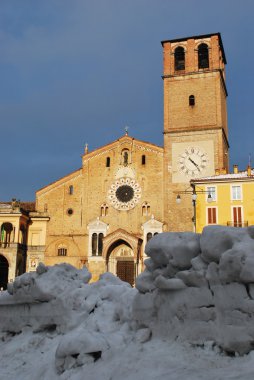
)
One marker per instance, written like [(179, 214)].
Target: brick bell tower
[(195, 119)]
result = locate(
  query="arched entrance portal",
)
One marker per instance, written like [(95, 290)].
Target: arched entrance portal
[(120, 261), (4, 270)]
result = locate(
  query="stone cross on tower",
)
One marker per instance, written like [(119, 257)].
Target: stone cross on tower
[(126, 130)]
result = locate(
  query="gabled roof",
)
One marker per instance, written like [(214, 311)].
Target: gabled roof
[(97, 224), (94, 152), (122, 139), (240, 176), (60, 179), (153, 223)]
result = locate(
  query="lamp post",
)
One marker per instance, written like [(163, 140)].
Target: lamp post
[(193, 191), (194, 199)]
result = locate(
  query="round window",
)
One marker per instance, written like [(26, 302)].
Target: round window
[(70, 211), (124, 193)]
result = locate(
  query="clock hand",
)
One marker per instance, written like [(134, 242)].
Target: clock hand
[(194, 163)]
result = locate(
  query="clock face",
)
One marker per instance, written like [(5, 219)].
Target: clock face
[(193, 161), (124, 194)]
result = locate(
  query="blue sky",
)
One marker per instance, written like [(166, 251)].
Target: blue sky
[(77, 71)]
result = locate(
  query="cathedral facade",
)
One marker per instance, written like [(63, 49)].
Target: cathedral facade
[(103, 214)]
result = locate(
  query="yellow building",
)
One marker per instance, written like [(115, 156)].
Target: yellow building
[(225, 199), (103, 213)]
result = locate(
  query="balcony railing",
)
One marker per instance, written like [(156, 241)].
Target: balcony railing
[(238, 224)]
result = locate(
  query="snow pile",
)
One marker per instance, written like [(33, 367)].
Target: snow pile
[(88, 321), (200, 288), (47, 283), (193, 304), (44, 299), (105, 329)]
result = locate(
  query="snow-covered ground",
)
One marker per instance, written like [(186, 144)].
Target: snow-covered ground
[(32, 357), (191, 316)]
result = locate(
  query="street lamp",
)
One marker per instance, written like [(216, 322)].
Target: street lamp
[(178, 199), (193, 191), (194, 199)]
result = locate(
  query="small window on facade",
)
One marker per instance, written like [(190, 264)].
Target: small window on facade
[(143, 160), (179, 58), (212, 192), (236, 193), (211, 215), (62, 251), (191, 100), (104, 209), (70, 211), (94, 244), (100, 244), (71, 189), (146, 209), (46, 207), (203, 56), (108, 162)]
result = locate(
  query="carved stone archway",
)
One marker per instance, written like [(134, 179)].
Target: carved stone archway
[(120, 234), (120, 250)]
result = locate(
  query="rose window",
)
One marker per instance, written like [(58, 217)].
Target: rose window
[(124, 194)]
